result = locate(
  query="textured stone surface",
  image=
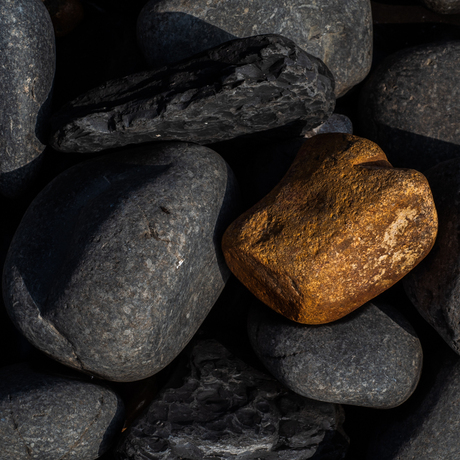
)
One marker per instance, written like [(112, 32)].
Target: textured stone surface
[(340, 228), (27, 60), (336, 123), (242, 87), (443, 6), (48, 417), (430, 431), (117, 261), (434, 286), (370, 358), (224, 409), (337, 32), (410, 105)]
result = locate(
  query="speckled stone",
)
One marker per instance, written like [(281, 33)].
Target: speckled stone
[(117, 261), (27, 62), (49, 417), (341, 227), (370, 358), (258, 84), (443, 6), (337, 32), (411, 104), (223, 409)]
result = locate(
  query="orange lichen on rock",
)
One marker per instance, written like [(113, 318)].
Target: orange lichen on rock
[(341, 227)]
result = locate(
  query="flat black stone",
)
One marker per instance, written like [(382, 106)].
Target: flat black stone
[(117, 261), (258, 84), (221, 408)]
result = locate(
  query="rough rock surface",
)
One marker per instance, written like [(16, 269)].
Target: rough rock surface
[(337, 32), (370, 358), (411, 104), (224, 409), (433, 287), (245, 86), (27, 62), (340, 228), (48, 417), (443, 6), (117, 261), (430, 431)]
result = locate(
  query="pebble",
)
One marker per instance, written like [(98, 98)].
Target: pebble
[(443, 6), (340, 228), (116, 263)]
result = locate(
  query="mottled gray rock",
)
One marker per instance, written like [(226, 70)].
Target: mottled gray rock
[(117, 261), (264, 83), (434, 285), (27, 62), (443, 6), (410, 105), (336, 123), (224, 409), (49, 417), (337, 32), (371, 357), (430, 431)]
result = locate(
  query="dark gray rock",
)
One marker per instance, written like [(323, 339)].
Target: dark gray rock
[(434, 285), (117, 261), (27, 62), (49, 417), (337, 32), (411, 104), (371, 357), (443, 6), (264, 83), (224, 409)]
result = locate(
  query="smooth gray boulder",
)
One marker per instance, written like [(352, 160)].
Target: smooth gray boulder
[(117, 261), (371, 358), (43, 416), (221, 408), (337, 32), (27, 64)]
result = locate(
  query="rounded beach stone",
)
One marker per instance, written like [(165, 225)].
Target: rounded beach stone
[(410, 105), (117, 261), (27, 63), (337, 32), (443, 6), (45, 416), (371, 357), (341, 227), (433, 286), (222, 409)]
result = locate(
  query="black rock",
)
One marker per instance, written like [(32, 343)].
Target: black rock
[(337, 32), (371, 357), (27, 62), (443, 6), (51, 417), (117, 261), (263, 83), (223, 409), (410, 105)]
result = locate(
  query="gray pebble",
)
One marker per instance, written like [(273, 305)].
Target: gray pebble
[(443, 6)]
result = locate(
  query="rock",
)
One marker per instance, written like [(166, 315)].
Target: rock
[(117, 261), (242, 87), (339, 33), (336, 123), (433, 286), (224, 409), (27, 62), (340, 228), (411, 103), (65, 15), (45, 416), (371, 358), (430, 431), (443, 6)]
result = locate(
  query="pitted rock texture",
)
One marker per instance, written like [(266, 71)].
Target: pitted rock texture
[(370, 358), (433, 286), (27, 63), (411, 103), (443, 6), (117, 261), (224, 409), (337, 32), (49, 417), (245, 86), (341, 227)]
